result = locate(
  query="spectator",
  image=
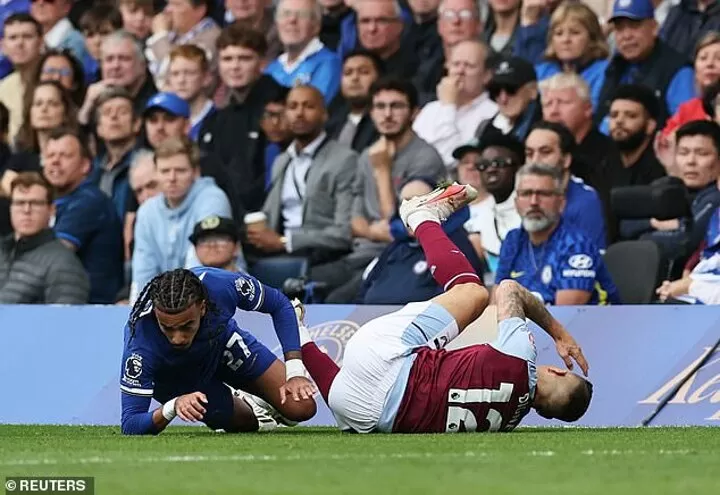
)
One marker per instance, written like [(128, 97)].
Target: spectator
[(275, 126), (167, 116), (48, 107), (97, 23), (7, 9), (633, 122), (259, 16), (548, 256), (552, 144), (702, 284), (35, 268), (707, 77), (164, 222), (21, 44), (63, 67), (380, 31), (428, 44), (334, 13), (643, 58), (502, 25), (118, 126), (123, 64), (85, 220), (401, 275), (305, 59), (396, 156), (143, 181), (576, 43), (137, 17), (462, 101), (458, 20), (496, 158), (182, 22), (566, 100), (688, 21), (233, 133), (217, 243), (698, 158), (349, 119), (189, 76), (514, 88), (58, 31), (308, 206)]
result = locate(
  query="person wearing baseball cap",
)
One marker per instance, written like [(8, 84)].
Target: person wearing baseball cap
[(492, 159), (165, 115), (642, 57), (216, 242), (514, 88)]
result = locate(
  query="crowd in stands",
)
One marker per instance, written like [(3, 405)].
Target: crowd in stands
[(138, 136)]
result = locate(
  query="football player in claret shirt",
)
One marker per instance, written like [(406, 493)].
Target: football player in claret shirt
[(184, 349), (397, 377)]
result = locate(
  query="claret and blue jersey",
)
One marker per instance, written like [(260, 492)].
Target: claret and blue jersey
[(221, 353)]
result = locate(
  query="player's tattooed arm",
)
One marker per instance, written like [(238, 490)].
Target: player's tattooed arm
[(515, 301)]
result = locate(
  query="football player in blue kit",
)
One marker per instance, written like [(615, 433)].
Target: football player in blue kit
[(184, 349)]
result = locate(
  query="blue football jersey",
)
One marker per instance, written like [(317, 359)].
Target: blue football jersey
[(569, 259), (151, 367)]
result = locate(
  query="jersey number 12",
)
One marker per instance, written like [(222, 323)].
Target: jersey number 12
[(461, 416)]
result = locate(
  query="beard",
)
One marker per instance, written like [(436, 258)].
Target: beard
[(357, 102), (632, 141), (538, 224)]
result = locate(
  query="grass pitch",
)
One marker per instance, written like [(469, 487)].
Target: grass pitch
[(324, 461)]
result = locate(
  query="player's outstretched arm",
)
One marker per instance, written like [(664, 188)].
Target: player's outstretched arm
[(136, 420), (515, 301)]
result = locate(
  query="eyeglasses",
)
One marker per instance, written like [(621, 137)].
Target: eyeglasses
[(34, 204), (485, 164), (52, 71), (305, 14), (495, 90), (541, 193), (214, 240), (270, 115), (454, 15)]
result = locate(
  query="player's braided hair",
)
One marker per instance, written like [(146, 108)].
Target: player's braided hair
[(171, 292)]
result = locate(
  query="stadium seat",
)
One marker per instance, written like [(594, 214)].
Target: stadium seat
[(274, 271), (636, 268)]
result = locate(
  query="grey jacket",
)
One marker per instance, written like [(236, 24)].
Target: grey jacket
[(327, 202), (40, 270)]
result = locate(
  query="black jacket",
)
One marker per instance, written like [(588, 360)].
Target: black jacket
[(233, 134), (40, 270), (656, 72), (685, 25), (365, 134)]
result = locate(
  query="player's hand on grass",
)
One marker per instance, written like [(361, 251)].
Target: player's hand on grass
[(298, 388), (190, 406), (569, 350)]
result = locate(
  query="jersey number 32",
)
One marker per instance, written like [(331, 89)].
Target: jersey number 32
[(460, 409)]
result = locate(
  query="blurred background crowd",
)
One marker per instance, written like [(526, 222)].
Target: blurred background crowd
[(279, 137)]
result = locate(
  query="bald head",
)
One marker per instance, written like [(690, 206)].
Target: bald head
[(467, 63), (305, 113)]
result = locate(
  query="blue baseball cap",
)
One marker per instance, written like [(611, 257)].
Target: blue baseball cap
[(170, 102), (637, 10)]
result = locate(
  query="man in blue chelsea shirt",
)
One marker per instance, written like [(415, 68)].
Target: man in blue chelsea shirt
[(548, 256), (184, 349)]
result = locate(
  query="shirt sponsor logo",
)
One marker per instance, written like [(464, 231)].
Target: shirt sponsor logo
[(580, 261), (578, 273), (546, 276)]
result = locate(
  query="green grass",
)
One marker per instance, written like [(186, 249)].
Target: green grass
[(323, 461)]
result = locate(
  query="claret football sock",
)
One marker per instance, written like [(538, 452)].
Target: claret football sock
[(448, 265), (321, 367)]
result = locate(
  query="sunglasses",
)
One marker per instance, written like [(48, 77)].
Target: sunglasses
[(495, 90), (485, 164)]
